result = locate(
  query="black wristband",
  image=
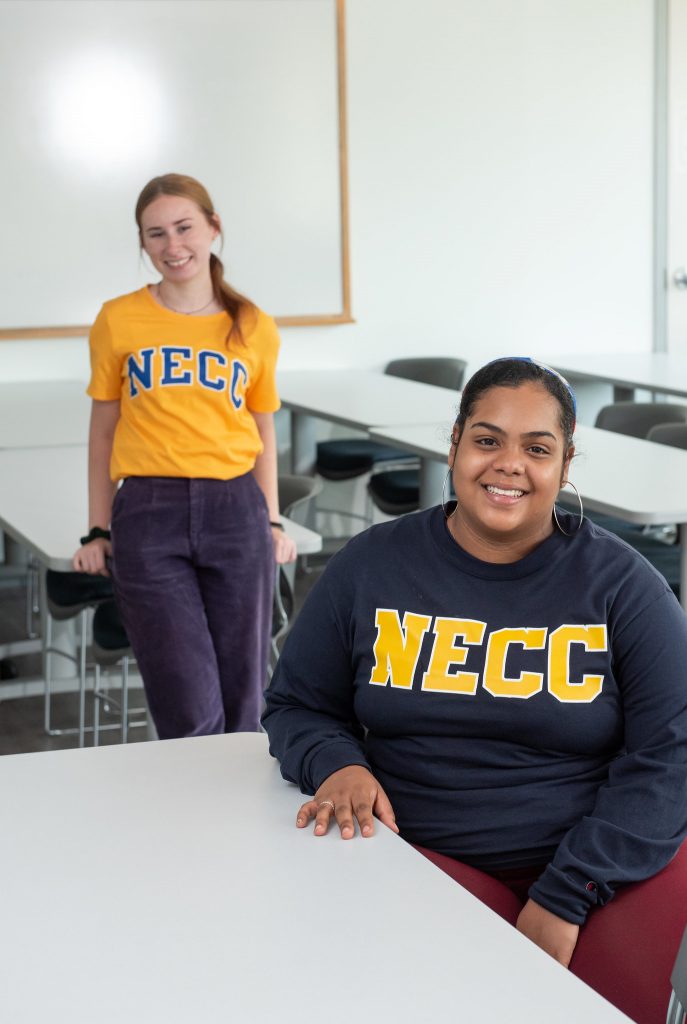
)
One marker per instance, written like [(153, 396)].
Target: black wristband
[(277, 526), (93, 534)]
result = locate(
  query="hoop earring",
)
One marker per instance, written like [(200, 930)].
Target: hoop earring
[(570, 533), (447, 515)]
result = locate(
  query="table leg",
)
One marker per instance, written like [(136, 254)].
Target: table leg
[(432, 475), (303, 444)]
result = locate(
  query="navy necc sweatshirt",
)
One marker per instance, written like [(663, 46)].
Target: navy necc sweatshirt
[(517, 714)]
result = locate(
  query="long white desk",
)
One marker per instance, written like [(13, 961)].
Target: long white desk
[(360, 399), (167, 883), (658, 372), (43, 504), (44, 414), (44, 507), (635, 480)]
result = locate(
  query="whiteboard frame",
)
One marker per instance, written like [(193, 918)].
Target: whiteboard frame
[(315, 320)]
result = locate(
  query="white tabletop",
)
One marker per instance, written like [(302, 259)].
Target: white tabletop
[(44, 413), (660, 372), (635, 480), (167, 883), (44, 505), (364, 398)]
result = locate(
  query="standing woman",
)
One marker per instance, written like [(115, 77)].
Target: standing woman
[(183, 389)]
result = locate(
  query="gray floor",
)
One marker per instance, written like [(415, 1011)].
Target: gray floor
[(21, 718)]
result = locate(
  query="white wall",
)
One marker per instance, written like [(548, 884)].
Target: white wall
[(500, 185)]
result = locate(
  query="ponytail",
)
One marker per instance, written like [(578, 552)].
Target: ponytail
[(236, 305)]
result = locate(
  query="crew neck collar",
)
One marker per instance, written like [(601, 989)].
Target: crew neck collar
[(171, 312), (550, 549)]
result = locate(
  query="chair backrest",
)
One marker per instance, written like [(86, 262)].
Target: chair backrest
[(678, 979), (674, 434), (110, 642), (294, 494), (637, 418), (437, 370)]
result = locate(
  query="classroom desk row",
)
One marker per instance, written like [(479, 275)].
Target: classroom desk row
[(661, 373), (167, 883), (635, 480), (43, 506)]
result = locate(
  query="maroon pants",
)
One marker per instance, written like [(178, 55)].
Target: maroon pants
[(626, 950)]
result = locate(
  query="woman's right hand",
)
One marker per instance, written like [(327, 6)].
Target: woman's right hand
[(92, 557), (348, 795)]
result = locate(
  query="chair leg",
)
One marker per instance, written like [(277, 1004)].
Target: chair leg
[(47, 672), (125, 699), (82, 676), (676, 1013), (96, 705)]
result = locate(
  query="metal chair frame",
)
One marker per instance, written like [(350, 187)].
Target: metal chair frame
[(677, 1008)]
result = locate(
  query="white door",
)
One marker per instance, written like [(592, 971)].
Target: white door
[(677, 178)]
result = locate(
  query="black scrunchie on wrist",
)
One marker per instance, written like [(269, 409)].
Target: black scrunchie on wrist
[(93, 534), (277, 526)]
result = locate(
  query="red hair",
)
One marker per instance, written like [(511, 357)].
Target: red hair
[(236, 305)]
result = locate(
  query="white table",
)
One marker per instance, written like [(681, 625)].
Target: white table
[(44, 507), (360, 399), (658, 372), (44, 504), (44, 414), (167, 883), (639, 481)]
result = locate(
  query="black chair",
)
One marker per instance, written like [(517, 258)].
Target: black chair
[(348, 458), (111, 647), (296, 494), (636, 419), (677, 1008), (674, 434), (68, 595)]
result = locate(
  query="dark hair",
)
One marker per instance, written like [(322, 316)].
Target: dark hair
[(235, 304), (512, 372)]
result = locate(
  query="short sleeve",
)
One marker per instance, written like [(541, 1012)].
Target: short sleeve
[(261, 395), (106, 373)]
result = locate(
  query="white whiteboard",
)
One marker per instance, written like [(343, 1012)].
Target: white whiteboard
[(98, 96)]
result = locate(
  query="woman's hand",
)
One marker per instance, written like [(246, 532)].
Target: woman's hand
[(551, 933), (351, 793), (91, 557), (284, 546)]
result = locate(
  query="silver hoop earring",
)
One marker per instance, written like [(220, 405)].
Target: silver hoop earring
[(443, 495), (569, 533)]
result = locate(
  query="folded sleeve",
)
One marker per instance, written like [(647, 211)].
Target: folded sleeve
[(640, 815), (106, 366), (309, 715)]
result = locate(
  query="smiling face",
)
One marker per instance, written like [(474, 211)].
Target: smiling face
[(508, 465), (177, 235)]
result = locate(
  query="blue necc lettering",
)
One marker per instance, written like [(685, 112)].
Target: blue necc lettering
[(171, 365), (204, 378), (238, 371), (141, 372)]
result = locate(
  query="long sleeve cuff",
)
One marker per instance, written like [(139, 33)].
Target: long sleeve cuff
[(569, 895), (331, 758)]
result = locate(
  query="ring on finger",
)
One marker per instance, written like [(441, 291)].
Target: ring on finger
[(326, 803)]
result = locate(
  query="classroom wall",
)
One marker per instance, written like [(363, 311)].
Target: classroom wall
[(500, 186)]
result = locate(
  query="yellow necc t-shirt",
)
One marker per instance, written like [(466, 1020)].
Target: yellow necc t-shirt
[(186, 399)]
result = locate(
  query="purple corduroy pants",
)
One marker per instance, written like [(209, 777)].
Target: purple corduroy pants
[(193, 574)]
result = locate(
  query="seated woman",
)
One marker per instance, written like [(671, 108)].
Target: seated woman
[(504, 684)]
